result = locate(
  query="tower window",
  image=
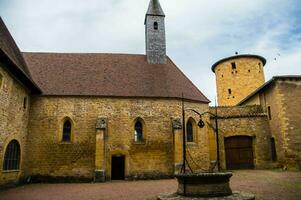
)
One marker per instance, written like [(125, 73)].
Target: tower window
[(269, 113), (233, 66), (156, 25), (229, 91), (67, 131)]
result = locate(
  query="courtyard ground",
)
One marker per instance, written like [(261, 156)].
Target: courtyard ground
[(268, 185)]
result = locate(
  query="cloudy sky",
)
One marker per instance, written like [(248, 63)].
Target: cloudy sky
[(199, 32)]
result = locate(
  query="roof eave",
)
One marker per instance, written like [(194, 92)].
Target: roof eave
[(267, 84), (19, 74), (263, 60)]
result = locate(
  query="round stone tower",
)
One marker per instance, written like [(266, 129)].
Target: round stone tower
[(237, 77)]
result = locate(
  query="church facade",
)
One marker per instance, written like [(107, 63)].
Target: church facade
[(97, 117)]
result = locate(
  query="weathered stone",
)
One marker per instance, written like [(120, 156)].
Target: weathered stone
[(13, 122), (204, 184), (152, 159), (234, 196), (155, 36), (283, 98), (248, 121), (101, 123), (177, 124), (246, 78)]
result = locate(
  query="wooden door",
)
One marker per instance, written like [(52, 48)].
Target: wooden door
[(239, 152)]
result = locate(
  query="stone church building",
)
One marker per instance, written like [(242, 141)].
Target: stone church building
[(84, 117)]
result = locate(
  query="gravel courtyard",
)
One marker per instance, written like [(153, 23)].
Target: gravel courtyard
[(269, 185)]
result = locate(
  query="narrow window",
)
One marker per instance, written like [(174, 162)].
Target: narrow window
[(12, 156), (156, 25), (138, 132), (1, 80), (273, 149), (189, 128), (249, 70), (233, 66), (229, 91), (25, 102), (67, 131), (269, 112)]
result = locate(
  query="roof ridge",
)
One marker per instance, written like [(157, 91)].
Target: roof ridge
[(80, 53)]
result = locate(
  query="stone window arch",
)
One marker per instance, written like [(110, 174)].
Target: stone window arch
[(67, 130), (139, 130), (12, 156)]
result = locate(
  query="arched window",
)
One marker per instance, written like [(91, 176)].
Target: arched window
[(189, 133), (12, 156), (67, 131), (138, 132), (156, 25)]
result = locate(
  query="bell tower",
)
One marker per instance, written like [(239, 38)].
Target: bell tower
[(155, 33)]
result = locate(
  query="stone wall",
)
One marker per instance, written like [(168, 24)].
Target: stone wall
[(14, 120), (283, 97), (155, 40), (246, 78), (290, 118), (154, 158), (242, 121)]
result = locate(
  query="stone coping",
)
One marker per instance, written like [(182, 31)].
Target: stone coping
[(205, 174), (235, 196)]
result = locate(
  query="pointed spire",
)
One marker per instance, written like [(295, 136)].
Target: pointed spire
[(154, 8)]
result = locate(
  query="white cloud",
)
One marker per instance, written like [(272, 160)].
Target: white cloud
[(198, 32)]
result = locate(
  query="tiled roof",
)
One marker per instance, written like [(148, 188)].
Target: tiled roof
[(10, 54), (114, 75)]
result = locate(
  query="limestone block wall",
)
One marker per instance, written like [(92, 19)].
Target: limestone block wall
[(283, 99), (242, 121), (154, 158), (13, 122), (244, 79), (290, 117)]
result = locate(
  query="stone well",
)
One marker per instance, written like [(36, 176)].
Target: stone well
[(204, 184)]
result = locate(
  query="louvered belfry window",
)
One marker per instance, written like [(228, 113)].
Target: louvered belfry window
[(12, 156)]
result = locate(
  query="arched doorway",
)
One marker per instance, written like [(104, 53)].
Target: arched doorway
[(239, 152), (118, 167)]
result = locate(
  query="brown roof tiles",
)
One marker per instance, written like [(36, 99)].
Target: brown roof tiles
[(12, 57), (114, 75)]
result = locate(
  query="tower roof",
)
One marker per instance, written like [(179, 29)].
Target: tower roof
[(263, 60), (155, 8)]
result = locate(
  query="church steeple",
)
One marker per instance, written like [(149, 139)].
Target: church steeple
[(155, 8), (155, 33)]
